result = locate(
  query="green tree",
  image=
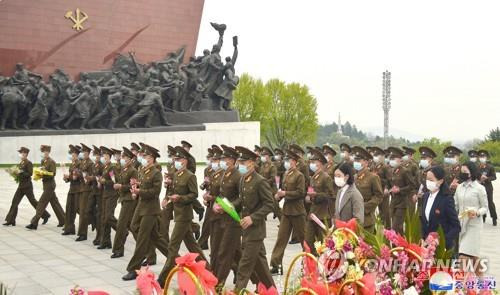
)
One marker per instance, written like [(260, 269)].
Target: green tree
[(494, 135), (287, 112)]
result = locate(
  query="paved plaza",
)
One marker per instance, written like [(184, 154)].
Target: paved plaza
[(45, 262)]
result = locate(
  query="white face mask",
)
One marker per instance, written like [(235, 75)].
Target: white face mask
[(431, 185), (340, 181), (406, 157), (287, 165), (215, 165), (277, 157), (393, 163), (482, 160), (263, 159), (473, 159), (376, 159), (352, 158)]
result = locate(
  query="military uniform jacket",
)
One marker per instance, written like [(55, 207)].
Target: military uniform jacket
[(106, 180), (74, 184), (48, 181), (487, 170), (412, 168), (304, 169), (214, 189), (118, 167), (294, 185), (370, 187), (230, 189), (136, 163), (128, 172), (149, 192), (401, 179), (255, 201), (384, 172), (25, 173), (330, 169), (86, 172), (323, 186), (184, 185), (269, 172), (207, 172), (97, 172), (280, 169), (191, 165)]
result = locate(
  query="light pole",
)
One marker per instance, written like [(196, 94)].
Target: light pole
[(386, 103)]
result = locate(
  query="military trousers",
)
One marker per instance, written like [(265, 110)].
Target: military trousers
[(48, 197), (123, 226), (491, 204), (18, 196), (398, 219), (83, 224), (94, 212), (206, 228), (71, 208), (253, 261), (182, 232), (135, 226), (147, 237), (314, 233), (108, 219), (229, 251), (216, 228), (384, 212), (287, 224)]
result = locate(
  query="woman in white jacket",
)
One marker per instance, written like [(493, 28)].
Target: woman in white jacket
[(471, 203)]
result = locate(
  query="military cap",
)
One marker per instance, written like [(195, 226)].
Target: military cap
[(369, 149), (257, 148), (329, 150), (408, 150), (134, 147), (151, 151), (229, 152), (426, 152), (185, 143), (395, 152), (377, 151), (217, 152), (309, 150), (23, 150), (472, 153), (74, 149), (317, 155), (267, 151), (483, 153), (105, 150), (85, 148), (210, 153), (345, 147), (171, 150), (451, 151), (143, 145), (128, 153), (245, 154), (290, 154), (361, 153), (45, 148), (387, 152), (180, 152), (278, 151), (96, 151), (296, 148), (116, 151)]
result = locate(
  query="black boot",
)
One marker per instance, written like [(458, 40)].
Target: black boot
[(495, 222), (130, 276), (81, 238), (46, 219), (31, 226), (117, 255), (13, 223)]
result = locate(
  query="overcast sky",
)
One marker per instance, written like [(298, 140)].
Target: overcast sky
[(444, 57)]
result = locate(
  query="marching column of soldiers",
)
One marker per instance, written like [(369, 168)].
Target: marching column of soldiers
[(289, 183)]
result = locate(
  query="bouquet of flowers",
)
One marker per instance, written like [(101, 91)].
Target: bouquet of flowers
[(228, 207), (38, 173), (14, 172)]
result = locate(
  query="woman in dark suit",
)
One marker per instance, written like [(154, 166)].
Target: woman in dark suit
[(439, 208)]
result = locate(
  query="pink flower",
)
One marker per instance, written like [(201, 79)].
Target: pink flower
[(391, 235)]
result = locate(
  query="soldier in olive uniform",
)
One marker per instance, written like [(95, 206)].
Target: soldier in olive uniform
[(73, 177), (319, 196), (213, 190), (48, 195), (254, 204), (146, 214), (384, 172), (117, 156), (345, 154), (24, 188), (452, 167), (401, 189), (472, 156), (205, 229), (86, 176), (134, 148), (278, 163), (109, 177), (293, 214), (167, 212), (257, 150), (368, 184), (269, 172), (330, 154), (184, 193), (427, 156), (412, 167), (127, 176), (486, 176), (95, 200), (304, 169), (229, 252)]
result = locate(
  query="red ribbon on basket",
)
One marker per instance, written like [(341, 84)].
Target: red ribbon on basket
[(262, 290), (351, 224), (198, 268)]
